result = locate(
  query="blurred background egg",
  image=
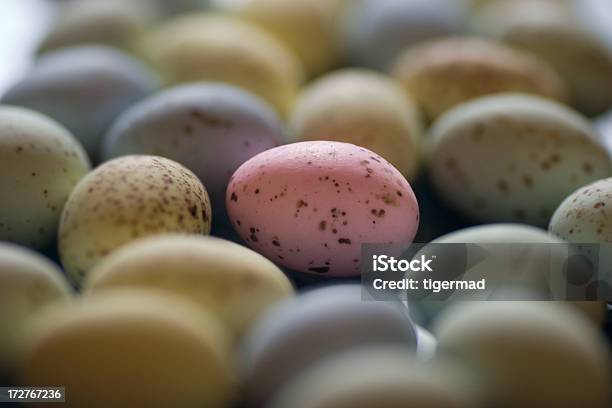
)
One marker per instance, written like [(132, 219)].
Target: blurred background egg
[(312, 327), (308, 27), (84, 88), (375, 32), (135, 343), (214, 47), (28, 283), (530, 353), (210, 128), (364, 108), (443, 73), (231, 281), (513, 157), (128, 198), (111, 22), (40, 163), (309, 206), (550, 30), (379, 377)]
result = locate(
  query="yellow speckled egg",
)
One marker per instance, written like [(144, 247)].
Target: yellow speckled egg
[(128, 198), (550, 30), (531, 354), (131, 349), (445, 72), (228, 279), (513, 157), (364, 108), (40, 163), (211, 47), (28, 283), (308, 27)]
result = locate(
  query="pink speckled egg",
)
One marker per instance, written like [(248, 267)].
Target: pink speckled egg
[(309, 206)]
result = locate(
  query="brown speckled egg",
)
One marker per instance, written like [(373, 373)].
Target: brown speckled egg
[(443, 73), (40, 163), (364, 108), (128, 198), (228, 279), (586, 214), (309, 206), (513, 157)]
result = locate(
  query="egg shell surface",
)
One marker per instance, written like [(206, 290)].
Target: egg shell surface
[(227, 279), (84, 88), (513, 157), (444, 72), (128, 198), (40, 164), (209, 128), (364, 108), (309, 206), (135, 342), (28, 283), (213, 47), (318, 323), (530, 353)]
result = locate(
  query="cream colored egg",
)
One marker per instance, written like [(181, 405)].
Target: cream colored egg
[(110, 22), (445, 72), (308, 27), (551, 31), (533, 354), (28, 283), (131, 349), (233, 282), (513, 157), (40, 163), (211, 47), (128, 198), (584, 216), (379, 377), (364, 108)]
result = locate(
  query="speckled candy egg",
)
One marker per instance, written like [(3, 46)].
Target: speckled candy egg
[(84, 88), (300, 332), (364, 108), (308, 27), (127, 198), (584, 216), (40, 163), (513, 157), (550, 30), (211, 47), (380, 377), (309, 206), (374, 32), (233, 282), (531, 354), (28, 283), (445, 72), (210, 128), (150, 348)]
